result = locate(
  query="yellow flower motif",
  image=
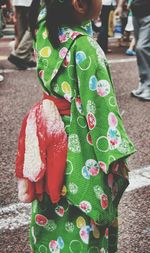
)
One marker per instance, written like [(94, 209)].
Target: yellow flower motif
[(80, 222), (45, 52), (66, 88)]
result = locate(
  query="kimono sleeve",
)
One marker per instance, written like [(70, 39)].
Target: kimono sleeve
[(108, 136)]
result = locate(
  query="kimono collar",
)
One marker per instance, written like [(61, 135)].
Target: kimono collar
[(51, 59)]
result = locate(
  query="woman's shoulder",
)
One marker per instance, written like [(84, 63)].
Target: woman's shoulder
[(88, 46), (85, 41)]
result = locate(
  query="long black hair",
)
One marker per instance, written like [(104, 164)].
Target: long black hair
[(58, 12)]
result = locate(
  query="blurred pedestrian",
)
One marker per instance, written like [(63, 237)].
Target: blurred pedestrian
[(22, 55), (102, 39), (129, 30), (120, 23), (141, 22), (2, 3), (1, 33), (1, 27), (75, 184), (130, 51)]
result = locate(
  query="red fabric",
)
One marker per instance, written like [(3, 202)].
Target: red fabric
[(53, 152), (21, 149), (62, 104), (56, 165)]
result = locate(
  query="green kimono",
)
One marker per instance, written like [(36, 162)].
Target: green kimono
[(85, 219)]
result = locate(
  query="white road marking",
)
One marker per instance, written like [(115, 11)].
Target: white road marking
[(139, 178), (3, 57), (5, 71), (122, 60), (13, 208), (2, 71), (17, 215)]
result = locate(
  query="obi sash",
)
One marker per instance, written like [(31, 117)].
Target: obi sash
[(50, 151)]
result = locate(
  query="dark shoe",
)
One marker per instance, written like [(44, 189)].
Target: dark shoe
[(31, 64), (20, 63)]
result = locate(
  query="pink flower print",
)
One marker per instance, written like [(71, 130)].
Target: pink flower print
[(59, 210), (85, 206), (63, 38), (113, 133), (93, 171), (53, 244), (113, 142), (63, 52), (103, 166), (103, 88), (104, 201), (92, 167), (112, 120), (84, 234), (41, 220), (54, 247), (106, 233), (91, 120), (74, 35), (101, 92)]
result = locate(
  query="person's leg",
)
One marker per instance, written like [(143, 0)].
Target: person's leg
[(24, 49), (136, 26), (130, 51), (132, 44), (142, 35), (1, 33), (143, 51), (103, 34), (21, 25), (22, 56)]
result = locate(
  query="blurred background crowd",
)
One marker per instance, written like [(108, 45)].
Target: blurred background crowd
[(125, 21), (106, 26)]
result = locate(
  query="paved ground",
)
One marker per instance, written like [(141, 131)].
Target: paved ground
[(18, 92)]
